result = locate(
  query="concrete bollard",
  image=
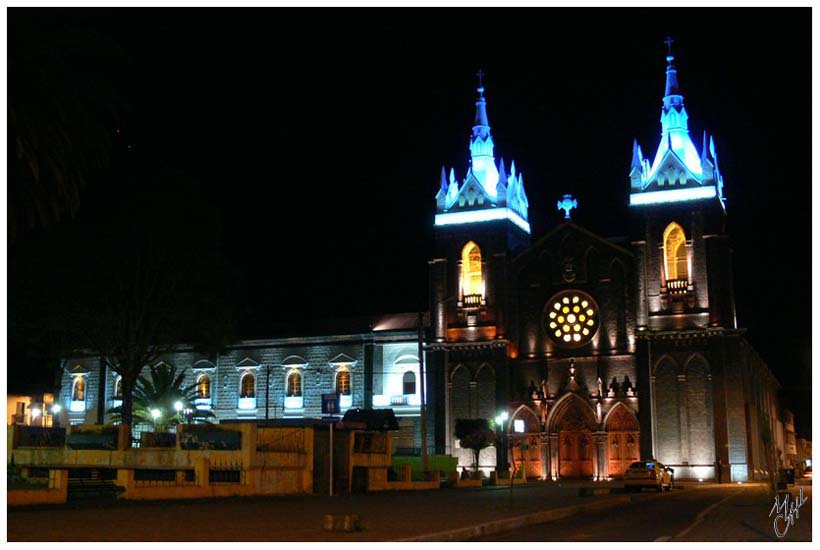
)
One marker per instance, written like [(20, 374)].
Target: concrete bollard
[(351, 523), (346, 522)]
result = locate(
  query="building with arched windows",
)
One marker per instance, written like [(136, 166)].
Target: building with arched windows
[(601, 351)]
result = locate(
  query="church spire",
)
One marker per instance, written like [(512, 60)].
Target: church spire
[(482, 163), (481, 127), (671, 71), (675, 123), (678, 172)]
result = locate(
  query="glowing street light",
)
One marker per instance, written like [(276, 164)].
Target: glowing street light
[(155, 413), (56, 408), (178, 406)]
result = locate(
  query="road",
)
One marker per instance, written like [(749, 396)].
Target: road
[(726, 513)]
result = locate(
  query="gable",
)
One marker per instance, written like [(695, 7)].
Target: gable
[(472, 196)]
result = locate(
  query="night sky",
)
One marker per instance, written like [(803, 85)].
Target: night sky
[(319, 134)]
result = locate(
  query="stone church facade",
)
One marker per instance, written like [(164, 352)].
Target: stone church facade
[(601, 351)]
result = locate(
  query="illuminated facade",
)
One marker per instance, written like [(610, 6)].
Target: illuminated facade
[(602, 351)]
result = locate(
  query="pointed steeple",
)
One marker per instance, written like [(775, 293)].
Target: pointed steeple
[(674, 123), (481, 127), (488, 192), (482, 163), (671, 72), (678, 171), (444, 184)]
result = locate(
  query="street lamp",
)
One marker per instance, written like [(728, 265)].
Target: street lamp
[(178, 409), (501, 455)]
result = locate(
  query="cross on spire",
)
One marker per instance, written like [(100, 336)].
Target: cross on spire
[(481, 74), (669, 41)]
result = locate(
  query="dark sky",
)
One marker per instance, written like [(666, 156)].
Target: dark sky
[(320, 134)]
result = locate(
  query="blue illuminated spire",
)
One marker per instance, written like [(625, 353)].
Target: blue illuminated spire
[(675, 124), (482, 163), (678, 172), (488, 192)]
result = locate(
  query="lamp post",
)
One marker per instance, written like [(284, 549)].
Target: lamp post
[(155, 414), (178, 409), (501, 454), (55, 411)]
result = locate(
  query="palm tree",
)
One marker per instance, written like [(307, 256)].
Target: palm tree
[(162, 401)]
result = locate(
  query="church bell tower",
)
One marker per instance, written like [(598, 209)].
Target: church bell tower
[(479, 221), (679, 211)]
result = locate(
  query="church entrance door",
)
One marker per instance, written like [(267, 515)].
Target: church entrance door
[(575, 454), (622, 434), (575, 422)]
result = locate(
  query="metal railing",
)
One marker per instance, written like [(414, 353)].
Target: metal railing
[(677, 286), (472, 300)]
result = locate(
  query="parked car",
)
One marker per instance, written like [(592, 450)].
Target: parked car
[(648, 473), (807, 473)]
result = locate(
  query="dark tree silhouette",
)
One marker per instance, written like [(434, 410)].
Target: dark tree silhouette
[(61, 117)]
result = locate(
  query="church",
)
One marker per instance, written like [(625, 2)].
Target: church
[(600, 351)]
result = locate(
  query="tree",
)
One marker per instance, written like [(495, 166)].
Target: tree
[(62, 110), (140, 280), (164, 393), (475, 434)]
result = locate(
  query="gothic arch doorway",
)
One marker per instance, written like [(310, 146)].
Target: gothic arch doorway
[(525, 428), (574, 422), (622, 439)]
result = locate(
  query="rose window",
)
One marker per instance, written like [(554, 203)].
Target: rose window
[(572, 318)]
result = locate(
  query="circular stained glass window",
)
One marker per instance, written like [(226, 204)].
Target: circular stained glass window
[(571, 318)]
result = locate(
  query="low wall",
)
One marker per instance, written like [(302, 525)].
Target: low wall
[(411, 485), (56, 493)]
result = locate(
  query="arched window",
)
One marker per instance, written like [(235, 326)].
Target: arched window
[(343, 382), (409, 383), (248, 385), (203, 387), (118, 388), (294, 384), (78, 391), (472, 281), (674, 252)]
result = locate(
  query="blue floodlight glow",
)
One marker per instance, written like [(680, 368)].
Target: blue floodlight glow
[(672, 195), (475, 216)]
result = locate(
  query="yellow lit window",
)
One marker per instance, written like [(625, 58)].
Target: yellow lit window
[(248, 386), (574, 323), (294, 388), (674, 252), (78, 393), (343, 382), (203, 387), (472, 280)]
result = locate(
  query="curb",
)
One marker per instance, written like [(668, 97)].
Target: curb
[(509, 524)]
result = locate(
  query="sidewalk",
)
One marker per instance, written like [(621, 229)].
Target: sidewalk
[(744, 516), (384, 517)]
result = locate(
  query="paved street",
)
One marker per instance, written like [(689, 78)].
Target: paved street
[(740, 513), (385, 516)]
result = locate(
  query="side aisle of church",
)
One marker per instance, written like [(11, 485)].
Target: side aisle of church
[(369, 363)]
